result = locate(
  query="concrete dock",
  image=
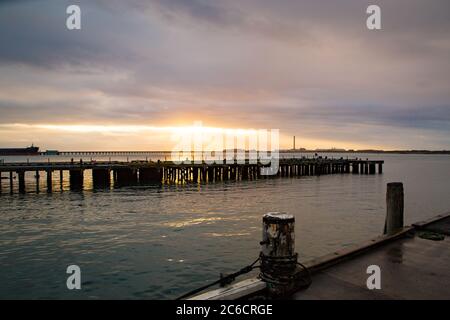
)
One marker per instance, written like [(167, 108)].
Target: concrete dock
[(411, 267)]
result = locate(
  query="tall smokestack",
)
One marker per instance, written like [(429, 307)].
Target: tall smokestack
[(294, 142)]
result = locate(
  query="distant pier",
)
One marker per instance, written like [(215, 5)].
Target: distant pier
[(121, 173)]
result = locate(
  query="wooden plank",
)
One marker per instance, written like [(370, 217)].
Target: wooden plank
[(234, 291)]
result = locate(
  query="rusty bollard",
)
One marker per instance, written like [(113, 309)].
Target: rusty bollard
[(279, 268)]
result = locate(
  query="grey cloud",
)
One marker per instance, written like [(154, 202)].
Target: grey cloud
[(315, 60), (77, 111), (35, 33)]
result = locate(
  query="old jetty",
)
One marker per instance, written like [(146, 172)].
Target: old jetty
[(106, 173)]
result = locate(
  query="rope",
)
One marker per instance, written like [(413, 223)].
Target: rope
[(283, 271), (278, 272), (223, 280)]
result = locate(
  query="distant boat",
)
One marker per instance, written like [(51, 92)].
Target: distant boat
[(28, 151)]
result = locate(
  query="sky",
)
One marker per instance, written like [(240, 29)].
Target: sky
[(138, 69)]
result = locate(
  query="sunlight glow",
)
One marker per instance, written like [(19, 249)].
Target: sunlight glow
[(141, 128)]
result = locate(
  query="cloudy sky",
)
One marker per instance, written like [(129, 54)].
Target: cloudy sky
[(312, 69)]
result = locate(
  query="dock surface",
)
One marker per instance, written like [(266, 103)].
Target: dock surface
[(412, 267)]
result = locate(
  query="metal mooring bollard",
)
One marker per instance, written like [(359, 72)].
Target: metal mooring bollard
[(279, 266)]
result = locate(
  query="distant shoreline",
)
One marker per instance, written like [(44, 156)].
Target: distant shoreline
[(372, 151), (318, 151)]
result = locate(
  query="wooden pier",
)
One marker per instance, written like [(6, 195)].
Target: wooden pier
[(107, 173)]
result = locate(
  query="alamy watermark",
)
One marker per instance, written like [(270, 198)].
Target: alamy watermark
[(74, 280), (73, 21), (374, 280), (373, 21), (200, 145)]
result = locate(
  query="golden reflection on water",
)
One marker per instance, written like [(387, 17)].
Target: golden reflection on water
[(229, 234), (192, 222)]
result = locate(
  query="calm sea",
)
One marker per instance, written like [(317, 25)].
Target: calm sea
[(161, 241)]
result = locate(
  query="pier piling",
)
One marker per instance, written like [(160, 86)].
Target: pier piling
[(76, 179), (150, 175), (21, 175), (11, 183), (38, 177), (394, 208), (371, 168), (49, 181), (126, 176), (211, 174), (61, 179), (101, 178)]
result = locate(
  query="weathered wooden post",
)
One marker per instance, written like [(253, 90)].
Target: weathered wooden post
[(394, 208), (244, 170), (11, 183), (125, 176), (101, 177), (226, 170), (279, 268), (49, 181), (76, 179), (37, 176), (210, 173), (372, 168), (21, 175), (61, 179), (204, 173)]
